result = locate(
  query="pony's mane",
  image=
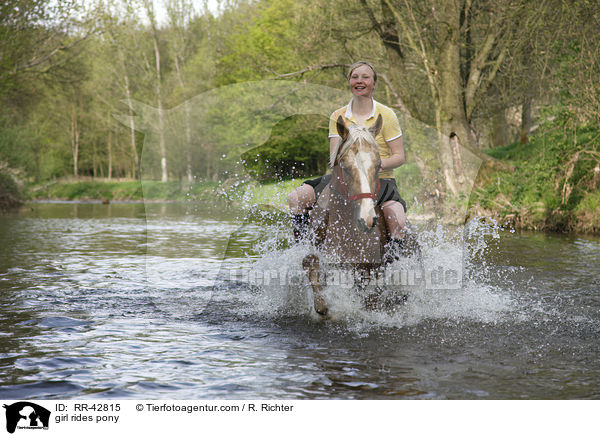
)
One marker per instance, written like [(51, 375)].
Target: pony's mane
[(356, 134)]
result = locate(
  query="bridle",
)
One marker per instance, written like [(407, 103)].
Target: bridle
[(340, 176), (343, 148)]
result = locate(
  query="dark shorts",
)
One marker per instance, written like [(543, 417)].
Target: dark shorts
[(387, 192)]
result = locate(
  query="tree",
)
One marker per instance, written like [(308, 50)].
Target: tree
[(119, 53), (444, 58), (149, 9), (575, 67), (180, 15), (33, 34), (294, 149)]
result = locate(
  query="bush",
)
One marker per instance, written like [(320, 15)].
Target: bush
[(552, 182), (587, 213), (10, 192), (298, 147)]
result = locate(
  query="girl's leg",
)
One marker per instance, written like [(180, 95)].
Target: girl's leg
[(402, 242), (395, 218), (300, 200)]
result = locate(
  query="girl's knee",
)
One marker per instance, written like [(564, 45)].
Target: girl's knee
[(293, 198), (394, 215), (401, 221), (301, 198)]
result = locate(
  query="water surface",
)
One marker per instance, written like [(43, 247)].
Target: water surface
[(132, 301)]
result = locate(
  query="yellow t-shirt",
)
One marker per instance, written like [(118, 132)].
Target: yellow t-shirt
[(390, 129)]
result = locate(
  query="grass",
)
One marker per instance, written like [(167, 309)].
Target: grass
[(121, 191), (587, 213), (549, 185), (274, 194), (86, 190)]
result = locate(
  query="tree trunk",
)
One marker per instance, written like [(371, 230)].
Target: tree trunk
[(526, 121), (161, 120), (208, 163), (136, 169), (75, 140), (94, 170), (451, 116), (499, 129), (188, 144), (187, 148), (149, 6), (109, 141), (459, 170)]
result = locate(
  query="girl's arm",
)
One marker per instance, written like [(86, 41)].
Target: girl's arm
[(397, 158)]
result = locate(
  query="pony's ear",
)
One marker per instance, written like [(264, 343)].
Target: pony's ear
[(336, 150), (376, 128), (341, 128), (343, 132)]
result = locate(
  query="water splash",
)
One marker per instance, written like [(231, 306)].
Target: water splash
[(454, 281)]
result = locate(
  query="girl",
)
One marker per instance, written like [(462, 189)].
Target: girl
[(363, 110)]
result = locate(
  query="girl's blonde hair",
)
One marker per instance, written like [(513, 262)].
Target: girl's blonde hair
[(355, 65)]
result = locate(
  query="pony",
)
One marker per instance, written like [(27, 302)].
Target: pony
[(345, 221)]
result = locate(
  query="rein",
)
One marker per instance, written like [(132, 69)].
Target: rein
[(340, 176)]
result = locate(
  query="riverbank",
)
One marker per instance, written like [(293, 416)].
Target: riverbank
[(549, 184), (10, 188), (231, 192)]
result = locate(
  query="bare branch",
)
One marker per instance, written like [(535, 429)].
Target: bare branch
[(466, 10), (310, 68), (477, 66), (419, 47), (386, 31), (485, 84), (399, 103), (35, 62)]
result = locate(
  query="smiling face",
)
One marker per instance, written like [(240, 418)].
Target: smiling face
[(362, 81)]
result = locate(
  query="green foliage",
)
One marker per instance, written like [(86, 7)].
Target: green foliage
[(87, 190), (274, 194), (587, 213), (298, 147), (10, 192), (552, 181), (33, 34), (14, 141), (409, 180), (64, 75), (264, 40)]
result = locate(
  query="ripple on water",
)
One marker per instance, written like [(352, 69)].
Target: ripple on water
[(40, 390), (58, 322), (89, 313)]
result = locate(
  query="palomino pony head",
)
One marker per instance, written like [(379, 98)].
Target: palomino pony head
[(357, 154)]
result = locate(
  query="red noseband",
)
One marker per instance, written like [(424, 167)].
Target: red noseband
[(370, 195)]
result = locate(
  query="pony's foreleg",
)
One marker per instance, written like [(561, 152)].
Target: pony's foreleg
[(311, 265)]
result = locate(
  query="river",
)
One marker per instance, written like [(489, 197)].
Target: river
[(134, 301)]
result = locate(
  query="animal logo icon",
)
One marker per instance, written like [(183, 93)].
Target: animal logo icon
[(25, 414)]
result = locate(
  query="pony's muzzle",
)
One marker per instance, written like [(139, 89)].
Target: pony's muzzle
[(366, 225)]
